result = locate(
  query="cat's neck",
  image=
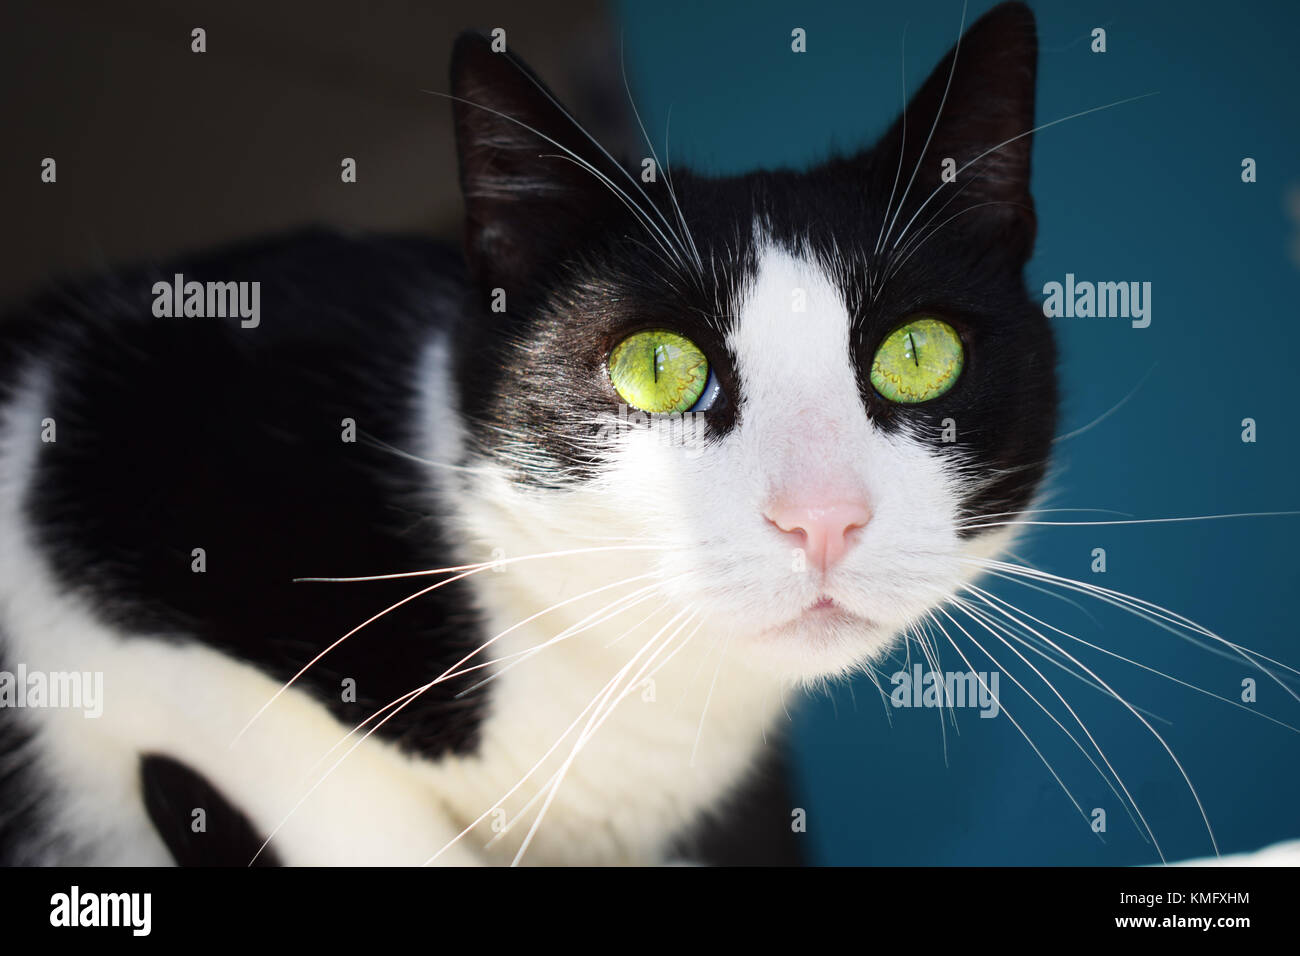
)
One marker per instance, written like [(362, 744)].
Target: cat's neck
[(639, 720)]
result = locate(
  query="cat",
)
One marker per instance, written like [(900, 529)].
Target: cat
[(653, 456)]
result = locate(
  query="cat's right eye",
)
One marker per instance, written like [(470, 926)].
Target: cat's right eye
[(659, 371)]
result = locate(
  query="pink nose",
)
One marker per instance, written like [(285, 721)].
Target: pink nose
[(823, 530)]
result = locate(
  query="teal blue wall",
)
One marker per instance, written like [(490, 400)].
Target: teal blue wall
[(1146, 191)]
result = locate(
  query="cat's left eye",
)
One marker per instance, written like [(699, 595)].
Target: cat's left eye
[(660, 371), (918, 361)]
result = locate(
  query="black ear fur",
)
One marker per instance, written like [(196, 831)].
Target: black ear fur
[(528, 197), (985, 113)]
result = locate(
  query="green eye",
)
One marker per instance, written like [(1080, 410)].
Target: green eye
[(917, 362), (658, 371)]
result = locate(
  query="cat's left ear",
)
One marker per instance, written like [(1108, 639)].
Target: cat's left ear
[(979, 103), (530, 177)]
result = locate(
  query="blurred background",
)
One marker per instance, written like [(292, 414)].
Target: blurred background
[(160, 150)]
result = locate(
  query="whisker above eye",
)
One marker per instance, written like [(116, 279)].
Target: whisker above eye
[(1028, 132), (622, 62), (663, 238), (952, 70), (631, 179), (902, 141)]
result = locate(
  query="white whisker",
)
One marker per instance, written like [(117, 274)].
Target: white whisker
[(988, 597), (1145, 723), (933, 126), (1015, 723), (642, 216), (1099, 524), (1028, 132), (988, 624), (483, 565), (1110, 411), (708, 699), (555, 746), (902, 144), (597, 719)]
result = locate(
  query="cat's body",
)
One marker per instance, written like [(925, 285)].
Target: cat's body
[(198, 468)]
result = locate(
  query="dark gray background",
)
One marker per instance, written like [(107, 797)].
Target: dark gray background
[(162, 150)]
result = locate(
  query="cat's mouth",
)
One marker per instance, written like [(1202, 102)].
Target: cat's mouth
[(823, 613)]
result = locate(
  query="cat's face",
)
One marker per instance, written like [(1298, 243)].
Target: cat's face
[(844, 366)]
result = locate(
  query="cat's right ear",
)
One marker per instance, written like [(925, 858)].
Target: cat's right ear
[(529, 175)]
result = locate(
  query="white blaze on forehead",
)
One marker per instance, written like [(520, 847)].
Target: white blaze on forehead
[(800, 395)]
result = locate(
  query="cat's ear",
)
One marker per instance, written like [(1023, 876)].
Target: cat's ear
[(526, 167), (979, 101)]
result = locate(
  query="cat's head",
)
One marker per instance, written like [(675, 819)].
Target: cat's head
[(845, 365)]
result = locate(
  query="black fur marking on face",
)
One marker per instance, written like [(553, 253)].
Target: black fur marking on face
[(532, 381), (579, 269), (173, 792)]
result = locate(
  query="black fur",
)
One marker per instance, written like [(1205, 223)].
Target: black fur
[(172, 792), (184, 433), (754, 825)]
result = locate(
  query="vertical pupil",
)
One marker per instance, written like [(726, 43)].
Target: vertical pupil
[(654, 361)]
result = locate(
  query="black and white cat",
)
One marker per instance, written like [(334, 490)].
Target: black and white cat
[(842, 368)]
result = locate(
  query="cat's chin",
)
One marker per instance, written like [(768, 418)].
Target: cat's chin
[(825, 639)]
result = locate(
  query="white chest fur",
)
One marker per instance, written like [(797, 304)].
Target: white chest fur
[(625, 732)]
